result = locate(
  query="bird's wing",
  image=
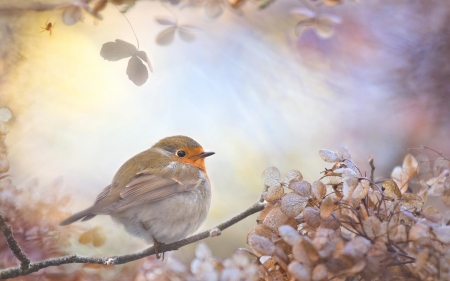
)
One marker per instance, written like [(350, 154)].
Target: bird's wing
[(147, 187)]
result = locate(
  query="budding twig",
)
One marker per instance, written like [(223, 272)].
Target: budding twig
[(36, 266)]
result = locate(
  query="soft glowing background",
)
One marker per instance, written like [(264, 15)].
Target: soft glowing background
[(246, 89)]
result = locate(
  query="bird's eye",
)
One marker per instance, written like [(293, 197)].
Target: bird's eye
[(181, 153)]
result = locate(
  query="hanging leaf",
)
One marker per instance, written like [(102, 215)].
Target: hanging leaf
[(136, 71)]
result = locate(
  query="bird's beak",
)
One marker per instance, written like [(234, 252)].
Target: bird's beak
[(206, 154)]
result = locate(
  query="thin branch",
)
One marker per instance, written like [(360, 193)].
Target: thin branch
[(372, 168), (12, 244), (35, 266)]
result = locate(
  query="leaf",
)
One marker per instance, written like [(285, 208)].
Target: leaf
[(143, 56), (136, 71), (213, 9), (5, 114), (357, 247), (166, 36), (271, 176), (166, 20), (71, 15), (127, 45), (419, 230), (113, 52), (328, 156), (185, 34)]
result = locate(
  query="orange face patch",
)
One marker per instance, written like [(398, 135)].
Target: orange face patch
[(192, 157)]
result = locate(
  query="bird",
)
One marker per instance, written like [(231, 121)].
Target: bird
[(160, 195)]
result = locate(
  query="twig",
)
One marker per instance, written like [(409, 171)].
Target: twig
[(12, 243), (35, 266), (372, 168)]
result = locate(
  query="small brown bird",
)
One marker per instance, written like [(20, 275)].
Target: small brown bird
[(161, 195)]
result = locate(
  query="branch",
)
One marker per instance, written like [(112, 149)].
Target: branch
[(35, 266), (12, 243)]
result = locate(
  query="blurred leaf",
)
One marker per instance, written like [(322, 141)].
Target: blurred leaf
[(72, 14), (163, 20), (113, 52), (213, 9), (5, 114), (166, 36), (136, 71), (185, 34), (328, 155)]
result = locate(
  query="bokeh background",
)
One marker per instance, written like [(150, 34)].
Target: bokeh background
[(247, 87)]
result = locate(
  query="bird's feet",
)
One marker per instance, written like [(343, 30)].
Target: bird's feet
[(157, 245)]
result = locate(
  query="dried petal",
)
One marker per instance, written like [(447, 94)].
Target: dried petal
[(262, 230), (432, 214), (5, 114), (327, 207), (349, 185), (412, 202), (312, 217), (361, 190), (275, 218), (289, 234), (301, 187), (443, 233), (328, 156), (357, 247), (342, 151), (271, 176), (292, 175), (418, 230), (391, 189), (320, 272), (300, 271), (371, 226), (261, 245), (293, 204), (319, 190), (274, 193)]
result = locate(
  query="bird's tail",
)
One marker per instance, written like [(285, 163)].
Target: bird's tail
[(83, 215)]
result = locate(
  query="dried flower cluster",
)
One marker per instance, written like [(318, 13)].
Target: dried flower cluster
[(205, 267), (352, 227)]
